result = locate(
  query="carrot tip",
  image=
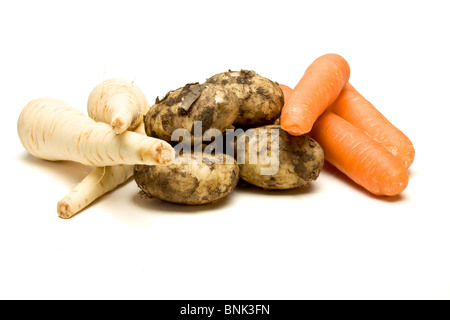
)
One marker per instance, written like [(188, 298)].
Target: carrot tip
[(293, 130)]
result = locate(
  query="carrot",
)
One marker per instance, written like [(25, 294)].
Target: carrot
[(358, 156), (353, 107), (317, 89), (287, 92), (52, 130), (119, 103)]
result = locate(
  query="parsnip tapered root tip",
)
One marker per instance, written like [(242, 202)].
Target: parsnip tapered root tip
[(52, 130), (119, 103)]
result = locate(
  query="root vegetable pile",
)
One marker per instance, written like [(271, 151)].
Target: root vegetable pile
[(50, 129), (194, 145)]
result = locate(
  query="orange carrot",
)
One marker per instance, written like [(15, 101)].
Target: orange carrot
[(316, 91), (358, 156), (353, 107), (287, 92)]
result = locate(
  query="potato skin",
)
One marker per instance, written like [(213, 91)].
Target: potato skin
[(261, 99), (215, 107), (300, 161), (187, 183)]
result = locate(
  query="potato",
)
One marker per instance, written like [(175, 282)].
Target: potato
[(261, 99), (213, 105), (185, 182), (300, 160)]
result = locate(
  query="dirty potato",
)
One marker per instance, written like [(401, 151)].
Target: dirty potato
[(286, 162), (186, 182), (261, 99), (213, 105)]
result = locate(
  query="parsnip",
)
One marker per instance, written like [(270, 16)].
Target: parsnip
[(51, 129), (98, 182), (119, 103)]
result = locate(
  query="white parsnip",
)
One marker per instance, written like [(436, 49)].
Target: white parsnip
[(119, 103), (51, 129), (99, 181)]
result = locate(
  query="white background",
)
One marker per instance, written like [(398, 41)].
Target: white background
[(331, 241)]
